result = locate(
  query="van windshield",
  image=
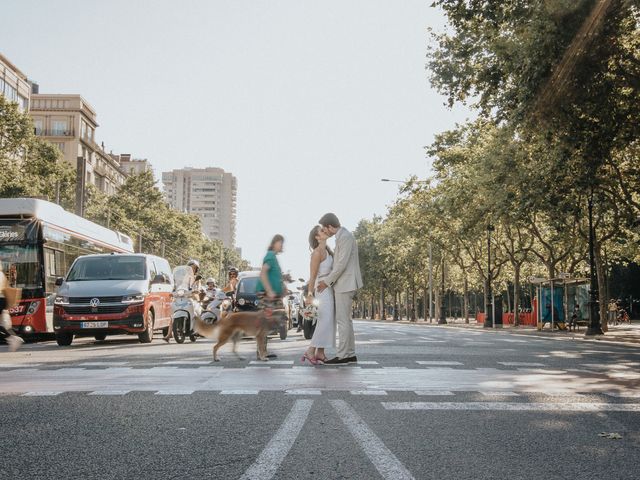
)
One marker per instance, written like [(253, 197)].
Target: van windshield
[(108, 268)]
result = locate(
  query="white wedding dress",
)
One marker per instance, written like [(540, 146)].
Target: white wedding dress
[(325, 333)]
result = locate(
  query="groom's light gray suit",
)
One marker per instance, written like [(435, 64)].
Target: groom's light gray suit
[(346, 279)]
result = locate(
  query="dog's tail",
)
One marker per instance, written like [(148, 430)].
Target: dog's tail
[(206, 329)]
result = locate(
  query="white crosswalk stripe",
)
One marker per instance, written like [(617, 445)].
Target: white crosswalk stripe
[(516, 407)]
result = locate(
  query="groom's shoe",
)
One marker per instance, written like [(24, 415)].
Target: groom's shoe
[(335, 361), (353, 359)]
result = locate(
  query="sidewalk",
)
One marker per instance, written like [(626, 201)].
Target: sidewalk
[(623, 334)]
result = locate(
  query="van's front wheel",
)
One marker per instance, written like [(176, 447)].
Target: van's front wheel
[(64, 339), (147, 335)]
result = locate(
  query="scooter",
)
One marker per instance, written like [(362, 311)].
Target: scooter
[(184, 311)]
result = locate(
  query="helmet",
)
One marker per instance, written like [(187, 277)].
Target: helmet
[(194, 262), (210, 280)]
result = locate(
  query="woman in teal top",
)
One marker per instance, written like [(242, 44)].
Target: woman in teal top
[(271, 282)]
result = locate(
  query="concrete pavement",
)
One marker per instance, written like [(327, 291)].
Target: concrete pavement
[(423, 403)]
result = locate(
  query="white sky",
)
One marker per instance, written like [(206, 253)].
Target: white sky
[(308, 103)]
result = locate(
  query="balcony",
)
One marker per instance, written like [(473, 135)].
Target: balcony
[(41, 132)]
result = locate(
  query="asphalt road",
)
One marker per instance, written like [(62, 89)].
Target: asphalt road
[(423, 402)]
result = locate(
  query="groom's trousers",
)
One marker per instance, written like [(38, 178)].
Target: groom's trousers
[(346, 338)]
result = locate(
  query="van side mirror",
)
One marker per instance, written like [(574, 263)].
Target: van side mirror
[(229, 294), (59, 281), (158, 279)]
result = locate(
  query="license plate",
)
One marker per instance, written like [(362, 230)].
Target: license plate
[(94, 324)]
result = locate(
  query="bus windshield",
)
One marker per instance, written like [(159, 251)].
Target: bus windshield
[(20, 265), (113, 267)]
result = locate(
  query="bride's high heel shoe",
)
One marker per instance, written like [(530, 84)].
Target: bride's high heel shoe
[(306, 356)]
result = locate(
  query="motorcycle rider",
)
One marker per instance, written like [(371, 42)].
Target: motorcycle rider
[(211, 289), (190, 281), (233, 280)]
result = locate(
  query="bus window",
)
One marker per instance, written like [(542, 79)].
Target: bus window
[(54, 267), (20, 265)]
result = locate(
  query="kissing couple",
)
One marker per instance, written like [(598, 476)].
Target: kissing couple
[(333, 282)]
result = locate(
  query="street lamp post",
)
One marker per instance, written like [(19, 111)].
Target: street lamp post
[(443, 316), (595, 327), (488, 319)]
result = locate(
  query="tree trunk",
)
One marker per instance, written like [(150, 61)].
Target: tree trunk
[(508, 299), (516, 295), (413, 303), (383, 311), (465, 300)]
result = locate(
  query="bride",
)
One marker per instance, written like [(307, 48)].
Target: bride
[(321, 264)]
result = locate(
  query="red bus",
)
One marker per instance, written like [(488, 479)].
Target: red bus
[(39, 241)]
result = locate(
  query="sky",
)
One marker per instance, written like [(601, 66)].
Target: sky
[(308, 103)]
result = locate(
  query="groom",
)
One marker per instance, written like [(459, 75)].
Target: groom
[(345, 278)]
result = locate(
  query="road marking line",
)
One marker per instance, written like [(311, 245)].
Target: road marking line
[(435, 393), (506, 406), (302, 391), (269, 460), (367, 362), (32, 365), (623, 394), (522, 364), (368, 392), (500, 394), (102, 364), (50, 393), (239, 392), (174, 392), (436, 362), (272, 362), (382, 458), (187, 362), (110, 392)]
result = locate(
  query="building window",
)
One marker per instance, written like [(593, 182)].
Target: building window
[(38, 126), (59, 128)]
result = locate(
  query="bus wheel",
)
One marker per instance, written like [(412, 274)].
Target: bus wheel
[(147, 335), (64, 339), (100, 336)]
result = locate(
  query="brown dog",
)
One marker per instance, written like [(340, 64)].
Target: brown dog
[(233, 325)]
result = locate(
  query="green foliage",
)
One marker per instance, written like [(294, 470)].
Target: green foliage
[(557, 122)]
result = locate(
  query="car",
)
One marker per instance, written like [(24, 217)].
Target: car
[(246, 296), (109, 294)]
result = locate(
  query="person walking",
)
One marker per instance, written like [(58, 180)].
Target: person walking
[(6, 329), (324, 335), (270, 286), (346, 279)]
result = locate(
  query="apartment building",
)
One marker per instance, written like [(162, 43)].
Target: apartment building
[(209, 193), (132, 166), (14, 84), (69, 122)]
